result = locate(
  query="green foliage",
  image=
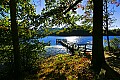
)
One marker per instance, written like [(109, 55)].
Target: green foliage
[(116, 31), (32, 52), (106, 48), (88, 13), (6, 55), (87, 17), (5, 41), (114, 44), (52, 14)]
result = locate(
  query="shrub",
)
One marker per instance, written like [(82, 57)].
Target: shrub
[(32, 53), (114, 44)]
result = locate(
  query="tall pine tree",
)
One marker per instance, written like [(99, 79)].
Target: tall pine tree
[(15, 40), (97, 52)]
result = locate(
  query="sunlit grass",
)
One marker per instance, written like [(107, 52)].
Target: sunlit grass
[(64, 67)]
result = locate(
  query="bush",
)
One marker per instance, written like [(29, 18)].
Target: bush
[(114, 45), (32, 53)]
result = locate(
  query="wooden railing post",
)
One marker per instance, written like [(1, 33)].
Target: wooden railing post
[(85, 48)]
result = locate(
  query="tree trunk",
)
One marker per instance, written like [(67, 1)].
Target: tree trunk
[(106, 21), (15, 40), (97, 51)]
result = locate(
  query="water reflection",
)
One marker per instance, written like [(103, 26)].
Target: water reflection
[(55, 49), (73, 39)]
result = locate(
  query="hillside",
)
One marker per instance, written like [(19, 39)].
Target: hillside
[(74, 32), (82, 32)]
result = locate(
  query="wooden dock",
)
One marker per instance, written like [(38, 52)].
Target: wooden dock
[(74, 47)]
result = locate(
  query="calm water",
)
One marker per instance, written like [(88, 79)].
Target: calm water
[(53, 49), (74, 39)]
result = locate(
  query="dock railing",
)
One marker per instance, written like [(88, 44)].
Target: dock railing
[(74, 46)]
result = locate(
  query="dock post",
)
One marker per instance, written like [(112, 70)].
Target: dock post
[(85, 48)]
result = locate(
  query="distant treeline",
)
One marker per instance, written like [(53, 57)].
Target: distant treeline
[(82, 32), (114, 32), (77, 32), (72, 33)]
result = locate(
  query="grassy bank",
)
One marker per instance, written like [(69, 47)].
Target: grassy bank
[(64, 67)]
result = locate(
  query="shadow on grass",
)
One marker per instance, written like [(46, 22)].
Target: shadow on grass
[(112, 68), (113, 61)]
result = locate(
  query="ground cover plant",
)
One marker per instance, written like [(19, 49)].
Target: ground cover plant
[(66, 67)]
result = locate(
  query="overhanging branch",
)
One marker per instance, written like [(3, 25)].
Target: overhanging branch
[(72, 6)]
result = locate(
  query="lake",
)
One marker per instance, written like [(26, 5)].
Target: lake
[(53, 49)]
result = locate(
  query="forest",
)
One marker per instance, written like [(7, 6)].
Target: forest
[(23, 57)]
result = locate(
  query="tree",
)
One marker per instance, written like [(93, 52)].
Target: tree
[(53, 14), (98, 54), (98, 58), (19, 37), (115, 42), (87, 17), (97, 51), (15, 40), (107, 19)]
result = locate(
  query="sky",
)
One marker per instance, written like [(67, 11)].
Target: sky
[(40, 4), (117, 16)]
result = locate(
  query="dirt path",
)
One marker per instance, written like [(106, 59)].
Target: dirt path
[(107, 55)]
